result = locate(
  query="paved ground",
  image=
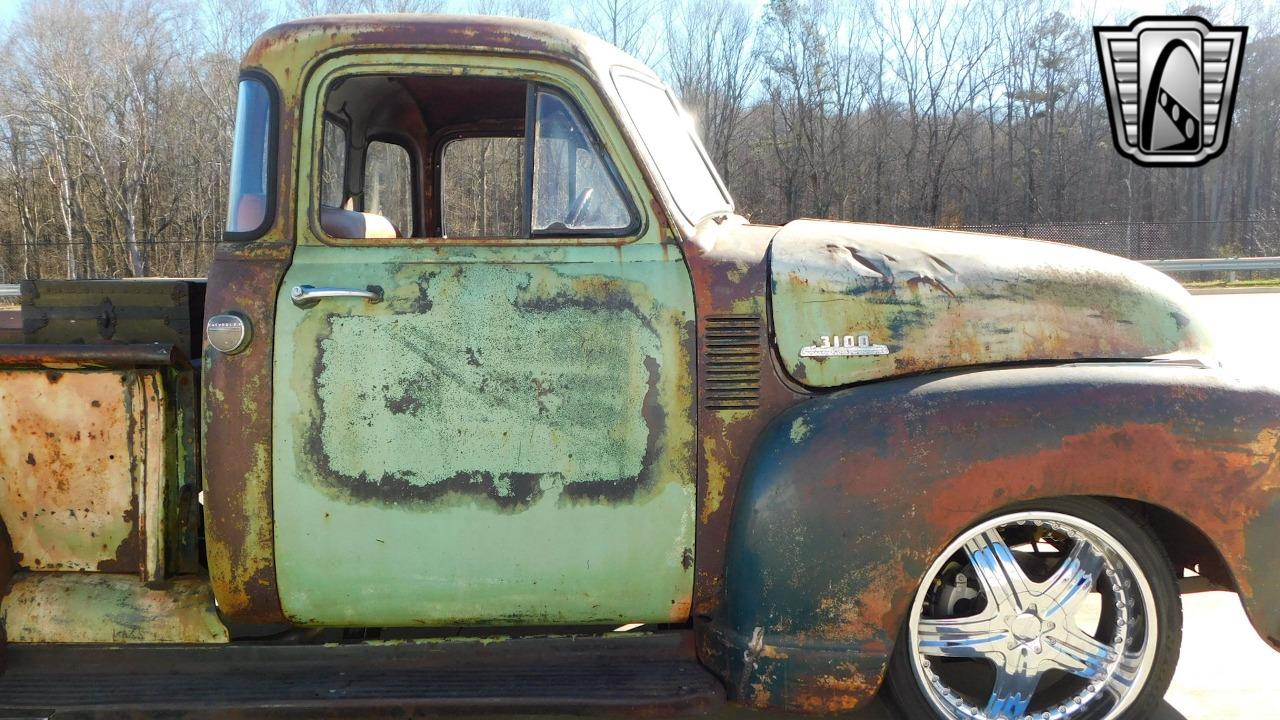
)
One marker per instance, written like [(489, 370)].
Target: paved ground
[(1226, 671), (1247, 329)]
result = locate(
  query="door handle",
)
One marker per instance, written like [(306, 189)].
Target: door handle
[(305, 296)]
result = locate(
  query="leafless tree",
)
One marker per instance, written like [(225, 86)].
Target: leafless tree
[(628, 24), (710, 65), (114, 148)]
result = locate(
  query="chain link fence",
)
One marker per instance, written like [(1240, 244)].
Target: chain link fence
[(1136, 240)]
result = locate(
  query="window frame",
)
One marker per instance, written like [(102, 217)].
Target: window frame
[(415, 184), (633, 183), (618, 71), (272, 184)]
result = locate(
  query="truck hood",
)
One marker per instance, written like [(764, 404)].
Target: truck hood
[(856, 302)]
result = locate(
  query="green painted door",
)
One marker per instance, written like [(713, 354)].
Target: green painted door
[(506, 438)]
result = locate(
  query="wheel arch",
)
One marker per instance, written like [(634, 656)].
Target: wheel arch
[(1187, 546), (847, 498)]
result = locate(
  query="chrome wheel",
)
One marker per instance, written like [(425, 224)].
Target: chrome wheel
[(1036, 615)]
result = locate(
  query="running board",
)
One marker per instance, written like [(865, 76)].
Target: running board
[(648, 675)]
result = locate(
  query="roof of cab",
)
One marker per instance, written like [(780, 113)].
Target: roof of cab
[(300, 41)]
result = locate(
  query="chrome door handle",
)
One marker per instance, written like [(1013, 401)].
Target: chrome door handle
[(305, 296)]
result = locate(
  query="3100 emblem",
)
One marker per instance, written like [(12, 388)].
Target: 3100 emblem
[(844, 346)]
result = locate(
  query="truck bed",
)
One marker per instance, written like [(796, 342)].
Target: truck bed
[(99, 458), (94, 312)]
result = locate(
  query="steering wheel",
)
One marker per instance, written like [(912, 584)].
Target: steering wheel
[(579, 207)]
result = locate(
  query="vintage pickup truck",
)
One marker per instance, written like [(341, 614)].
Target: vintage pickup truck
[(503, 408)]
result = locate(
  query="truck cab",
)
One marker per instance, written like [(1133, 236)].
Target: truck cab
[(482, 363), (493, 375)]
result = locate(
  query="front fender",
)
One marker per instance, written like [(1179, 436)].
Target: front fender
[(847, 499)]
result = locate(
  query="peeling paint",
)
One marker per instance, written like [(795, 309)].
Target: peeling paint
[(822, 556), (532, 401), (800, 430), (57, 607), (939, 299)]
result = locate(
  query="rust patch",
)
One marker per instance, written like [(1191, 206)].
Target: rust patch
[(236, 407), (726, 261), (74, 470), (417, 395), (91, 356), (841, 691), (935, 455)]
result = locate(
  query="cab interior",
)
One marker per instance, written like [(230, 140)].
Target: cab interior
[(452, 157)]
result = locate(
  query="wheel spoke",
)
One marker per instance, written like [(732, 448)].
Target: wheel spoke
[(1002, 579), (1011, 696), (1080, 654), (1122, 679), (961, 638), (1073, 580)]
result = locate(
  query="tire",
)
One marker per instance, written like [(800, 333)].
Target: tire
[(1085, 624)]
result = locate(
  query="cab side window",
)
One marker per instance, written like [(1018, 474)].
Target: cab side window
[(458, 158)]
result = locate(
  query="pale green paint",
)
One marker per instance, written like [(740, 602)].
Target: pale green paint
[(515, 376), (72, 607), (940, 299)]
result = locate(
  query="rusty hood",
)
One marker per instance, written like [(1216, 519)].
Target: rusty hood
[(857, 302)]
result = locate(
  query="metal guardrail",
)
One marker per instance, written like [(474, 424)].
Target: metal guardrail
[(10, 290), (1219, 264)]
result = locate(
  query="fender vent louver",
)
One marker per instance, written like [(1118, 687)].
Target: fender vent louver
[(732, 362)]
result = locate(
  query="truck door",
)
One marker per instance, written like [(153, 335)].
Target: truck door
[(483, 402)]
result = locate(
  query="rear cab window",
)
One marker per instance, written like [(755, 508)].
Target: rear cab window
[(333, 164), (388, 184), (251, 189), (480, 187)]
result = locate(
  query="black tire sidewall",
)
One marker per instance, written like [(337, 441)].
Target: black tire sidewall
[(1132, 532)]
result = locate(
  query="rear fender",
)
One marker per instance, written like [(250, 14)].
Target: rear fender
[(849, 497)]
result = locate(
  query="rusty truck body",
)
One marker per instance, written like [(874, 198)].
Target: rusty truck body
[(491, 370)]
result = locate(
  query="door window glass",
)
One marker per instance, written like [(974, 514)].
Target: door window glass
[(574, 189), (388, 184), (480, 187)]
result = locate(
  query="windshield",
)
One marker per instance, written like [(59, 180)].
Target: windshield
[(250, 187), (667, 135)]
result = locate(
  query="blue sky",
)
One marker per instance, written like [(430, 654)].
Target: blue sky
[(8, 9)]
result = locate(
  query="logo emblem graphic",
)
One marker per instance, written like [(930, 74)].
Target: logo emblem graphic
[(859, 345), (1171, 85)]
